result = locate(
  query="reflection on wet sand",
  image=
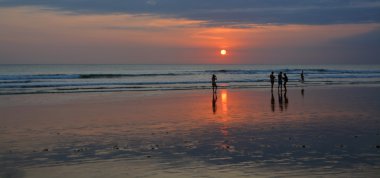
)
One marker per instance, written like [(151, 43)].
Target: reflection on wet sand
[(280, 101), (214, 99), (286, 101), (272, 102), (224, 96), (222, 118), (283, 101), (224, 101), (180, 128)]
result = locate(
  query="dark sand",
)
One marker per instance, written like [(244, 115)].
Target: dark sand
[(331, 132)]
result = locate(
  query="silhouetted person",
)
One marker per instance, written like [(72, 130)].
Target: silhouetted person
[(302, 77), (285, 81), (214, 99), (279, 78), (213, 81), (272, 102), (280, 103), (272, 77)]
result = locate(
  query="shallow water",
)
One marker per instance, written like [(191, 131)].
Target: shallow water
[(309, 132), (38, 79)]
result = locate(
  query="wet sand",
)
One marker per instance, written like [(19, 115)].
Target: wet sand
[(314, 132)]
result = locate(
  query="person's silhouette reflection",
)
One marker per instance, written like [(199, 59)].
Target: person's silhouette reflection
[(214, 99), (272, 102), (280, 101), (286, 101), (302, 92)]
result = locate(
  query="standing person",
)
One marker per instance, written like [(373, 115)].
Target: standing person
[(272, 77), (213, 81), (279, 81), (285, 80), (302, 77)]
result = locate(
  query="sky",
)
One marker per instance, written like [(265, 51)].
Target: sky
[(189, 31)]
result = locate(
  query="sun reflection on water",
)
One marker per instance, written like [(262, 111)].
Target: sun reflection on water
[(224, 101)]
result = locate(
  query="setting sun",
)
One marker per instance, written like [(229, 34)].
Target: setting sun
[(223, 52)]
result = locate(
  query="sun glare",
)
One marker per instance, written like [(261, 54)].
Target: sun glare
[(224, 101), (223, 52)]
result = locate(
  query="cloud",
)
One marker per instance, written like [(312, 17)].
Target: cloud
[(226, 12), (369, 39), (360, 48), (151, 2)]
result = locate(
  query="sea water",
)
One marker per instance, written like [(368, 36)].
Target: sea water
[(35, 79)]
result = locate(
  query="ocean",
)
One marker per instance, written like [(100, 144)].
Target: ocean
[(37, 79)]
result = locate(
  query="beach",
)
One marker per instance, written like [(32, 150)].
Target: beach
[(311, 131), (173, 89)]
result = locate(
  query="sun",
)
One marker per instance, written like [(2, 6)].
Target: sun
[(223, 52)]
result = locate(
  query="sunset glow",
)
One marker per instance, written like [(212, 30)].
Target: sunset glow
[(125, 37), (168, 88), (223, 52)]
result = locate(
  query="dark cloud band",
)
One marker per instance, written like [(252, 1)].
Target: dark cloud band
[(225, 12)]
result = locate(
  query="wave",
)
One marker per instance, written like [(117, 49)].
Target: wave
[(293, 71), (169, 88), (345, 76), (81, 83), (82, 76), (52, 85), (255, 82), (16, 81), (39, 76), (4, 78)]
